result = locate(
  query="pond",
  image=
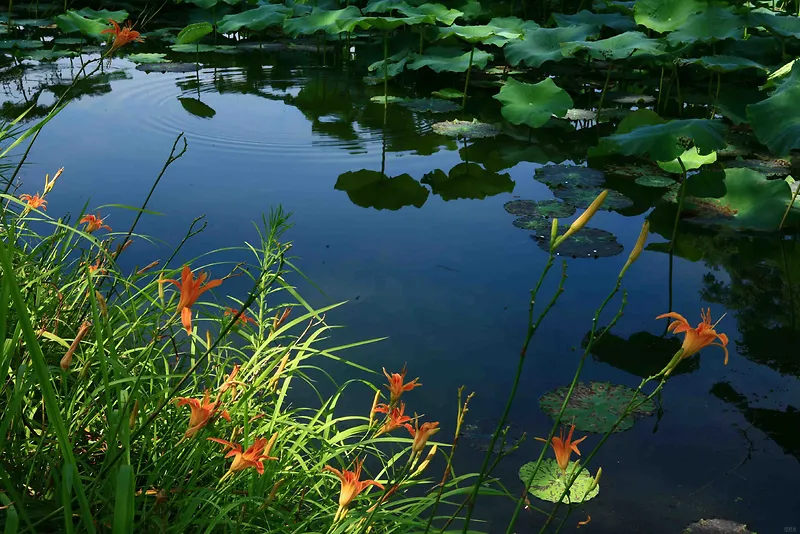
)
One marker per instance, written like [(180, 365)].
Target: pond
[(438, 260)]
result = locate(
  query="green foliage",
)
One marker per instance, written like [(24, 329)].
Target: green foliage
[(783, 25), (193, 32), (254, 19), (665, 142), (623, 46), (586, 243), (480, 34), (569, 176), (722, 63), (776, 120), (147, 58), (331, 22), (549, 483), (73, 21), (714, 23), (448, 59), (533, 104), (664, 15), (691, 160), (544, 44), (541, 209), (615, 21)]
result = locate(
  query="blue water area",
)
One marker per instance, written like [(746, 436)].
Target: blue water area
[(448, 280)]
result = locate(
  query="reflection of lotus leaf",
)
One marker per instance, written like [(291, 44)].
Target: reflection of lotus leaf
[(371, 189), (532, 104), (654, 181), (468, 180), (586, 243), (583, 197), (167, 67), (432, 105), (543, 209), (549, 483), (569, 176), (467, 129), (775, 168), (500, 153), (776, 120), (643, 354), (194, 48), (197, 108), (596, 406), (716, 526)]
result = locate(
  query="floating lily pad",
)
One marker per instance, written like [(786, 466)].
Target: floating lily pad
[(538, 225), (372, 189), (33, 23), (543, 209), (586, 243), (203, 48), (466, 129), (432, 105), (569, 176), (380, 99), (468, 180), (147, 58), (549, 483), (47, 55), (581, 197), (532, 104), (654, 181), (716, 526), (68, 40), (775, 168), (596, 406), (632, 170), (449, 93), (167, 67), (20, 43), (580, 115)]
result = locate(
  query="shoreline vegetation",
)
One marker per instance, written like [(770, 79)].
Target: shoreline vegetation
[(131, 402)]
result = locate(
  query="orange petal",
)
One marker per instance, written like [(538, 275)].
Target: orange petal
[(186, 319)]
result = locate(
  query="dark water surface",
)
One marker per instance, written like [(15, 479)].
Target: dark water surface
[(448, 280)]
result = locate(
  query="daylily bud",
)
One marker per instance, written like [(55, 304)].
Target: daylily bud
[(101, 303), (273, 382), (280, 318), (638, 248), (581, 221), (596, 480), (554, 230), (147, 267), (134, 414), (67, 359), (374, 404), (48, 184), (161, 281), (208, 339), (426, 461)]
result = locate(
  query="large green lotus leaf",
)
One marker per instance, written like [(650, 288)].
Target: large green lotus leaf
[(147, 58), (596, 406), (447, 59), (254, 19), (396, 63), (387, 24), (625, 45), (722, 63), (72, 21), (468, 180), (765, 50), (540, 209), (776, 120), (533, 104), (751, 202), (544, 44), (20, 43), (665, 15), (103, 14), (665, 142), (372, 189), (691, 160), (615, 21), (582, 198), (197, 108), (331, 22), (512, 24), (193, 33), (783, 25), (33, 23), (549, 483), (615, 6), (713, 24), (479, 34), (586, 243), (432, 13), (569, 176), (466, 129)]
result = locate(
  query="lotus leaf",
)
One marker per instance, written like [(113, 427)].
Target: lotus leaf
[(372, 189), (396, 64), (549, 483), (46, 55), (33, 23), (541, 209), (68, 40), (776, 120), (619, 6), (691, 160), (466, 129), (254, 19), (764, 50), (623, 46), (479, 34), (432, 105), (331, 22), (533, 104), (381, 99), (665, 15), (195, 48), (193, 33), (586, 243), (722, 63), (544, 44), (431, 12), (537, 225), (716, 526), (387, 24), (468, 180), (208, 4), (103, 14), (147, 58), (447, 59), (751, 202), (197, 108), (569, 176), (596, 406), (21, 44), (511, 24), (665, 142), (448, 93), (777, 168), (583, 197), (615, 21), (654, 181), (72, 21), (785, 26)]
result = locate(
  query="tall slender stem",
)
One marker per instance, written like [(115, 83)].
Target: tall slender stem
[(466, 83), (789, 207), (385, 76), (603, 94), (681, 195)]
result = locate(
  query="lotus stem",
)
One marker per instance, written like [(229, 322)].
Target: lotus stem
[(681, 194), (678, 89), (789, 207), (466, 83), (660, 85), (605, 87), (385, 76)]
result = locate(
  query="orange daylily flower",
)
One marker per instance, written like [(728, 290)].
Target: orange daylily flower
[(696, 338), (94, 223), (231, 382), (190, 289), (253, 457), (243, 318), (202, 412), (396, 417), (421, 434), (34, 202), (351, 486), (564, 448), (122, 36), (396, 385)]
